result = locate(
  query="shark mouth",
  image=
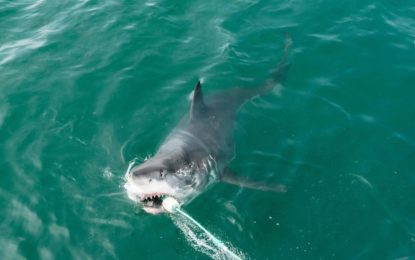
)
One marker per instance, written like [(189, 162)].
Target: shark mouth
[(154, 200), (152, 203)]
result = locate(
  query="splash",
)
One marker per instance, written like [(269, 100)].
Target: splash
[(204, 241)]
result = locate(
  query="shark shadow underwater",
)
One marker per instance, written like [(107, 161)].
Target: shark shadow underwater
[(196, 153)]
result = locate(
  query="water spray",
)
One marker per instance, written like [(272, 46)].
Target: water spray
[(171, 205)]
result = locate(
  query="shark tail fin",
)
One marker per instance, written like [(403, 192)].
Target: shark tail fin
[(278, 75), (235, 97), (283, 65)]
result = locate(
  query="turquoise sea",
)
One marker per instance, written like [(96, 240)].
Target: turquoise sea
[(88, 86)]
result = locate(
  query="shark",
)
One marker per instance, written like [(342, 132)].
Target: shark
[(196, 153)]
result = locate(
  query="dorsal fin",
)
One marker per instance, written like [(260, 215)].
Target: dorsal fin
[(198, 107)]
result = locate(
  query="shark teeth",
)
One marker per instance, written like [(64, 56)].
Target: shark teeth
[(153, 200)]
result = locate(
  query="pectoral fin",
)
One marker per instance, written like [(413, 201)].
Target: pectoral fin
[(231, 178)]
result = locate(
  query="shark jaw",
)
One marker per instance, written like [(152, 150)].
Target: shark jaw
[(149, 197), (152, 203)]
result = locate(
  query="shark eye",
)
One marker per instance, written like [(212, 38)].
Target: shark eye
[(162, 173)]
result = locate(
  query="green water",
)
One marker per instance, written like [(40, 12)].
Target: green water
[(88, 86)]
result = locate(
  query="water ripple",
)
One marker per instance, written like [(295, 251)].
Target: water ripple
[(88, 85)]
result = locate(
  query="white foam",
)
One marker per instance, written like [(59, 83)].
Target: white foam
[(170, 204), (204, 241)]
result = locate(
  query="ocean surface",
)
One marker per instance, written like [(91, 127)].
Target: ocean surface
[(86, 87)]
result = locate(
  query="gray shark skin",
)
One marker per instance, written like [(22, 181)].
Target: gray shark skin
[(196, 153)]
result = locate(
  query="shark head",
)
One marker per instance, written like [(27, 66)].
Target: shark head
[(157, 178), (183, 166)]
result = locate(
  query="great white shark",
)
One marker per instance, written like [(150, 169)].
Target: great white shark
[(196, 153)]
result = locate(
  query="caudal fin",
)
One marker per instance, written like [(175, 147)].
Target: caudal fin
[(280, 71), (235, 97)]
